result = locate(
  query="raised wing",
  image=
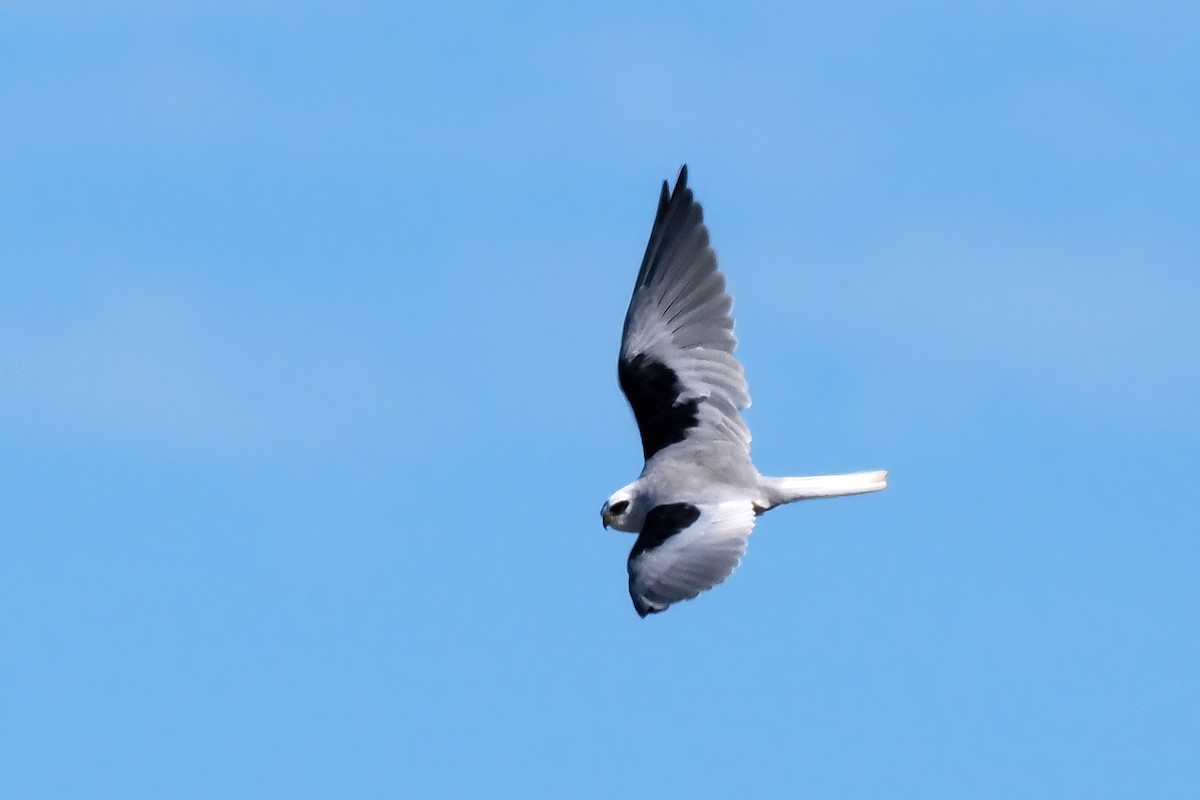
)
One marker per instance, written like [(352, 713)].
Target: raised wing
[(676, 366), (685, 549)]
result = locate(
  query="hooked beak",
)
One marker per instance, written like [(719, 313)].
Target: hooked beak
[(604, 516)]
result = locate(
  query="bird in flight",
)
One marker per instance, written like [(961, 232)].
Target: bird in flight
[(698, 496)]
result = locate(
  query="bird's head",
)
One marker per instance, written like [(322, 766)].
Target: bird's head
[(622, 511)]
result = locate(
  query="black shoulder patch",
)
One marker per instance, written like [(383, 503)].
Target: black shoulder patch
[(661, 524), (653, 390)]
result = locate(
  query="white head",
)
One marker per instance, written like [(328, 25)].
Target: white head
[(624, 511)]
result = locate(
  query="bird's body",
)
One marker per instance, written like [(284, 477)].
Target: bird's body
[(695, 503), (693, 472)]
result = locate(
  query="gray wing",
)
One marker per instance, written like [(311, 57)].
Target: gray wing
[(685, 549), (676, 366)]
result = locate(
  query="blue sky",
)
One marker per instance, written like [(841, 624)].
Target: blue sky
[(308, 399)]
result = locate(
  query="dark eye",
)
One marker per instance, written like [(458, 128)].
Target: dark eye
[(618, 508)]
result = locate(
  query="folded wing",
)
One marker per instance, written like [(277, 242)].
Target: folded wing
[(676, 365), (685, 549)]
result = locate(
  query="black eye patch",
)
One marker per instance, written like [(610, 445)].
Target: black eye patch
[(619, 507)]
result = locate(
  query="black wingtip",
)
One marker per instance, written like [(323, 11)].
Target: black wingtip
[(680, 183), (667, 195), (644, 609)]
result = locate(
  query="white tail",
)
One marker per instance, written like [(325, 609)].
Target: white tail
[(777, 491)]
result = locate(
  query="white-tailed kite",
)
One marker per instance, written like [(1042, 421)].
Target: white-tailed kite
[(696, 501)]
